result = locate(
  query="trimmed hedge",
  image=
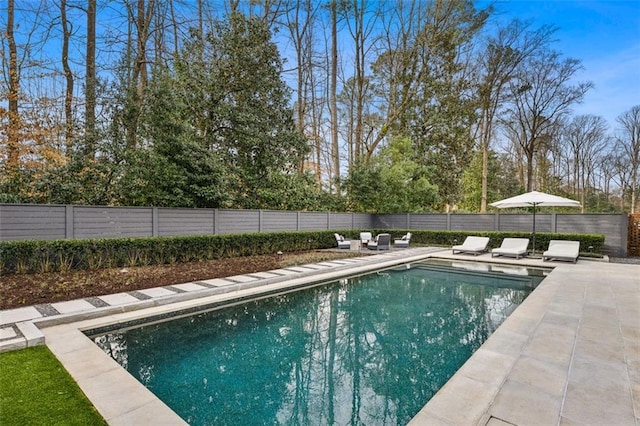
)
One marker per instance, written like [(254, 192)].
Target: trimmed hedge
[(32, 256), (449, 238)]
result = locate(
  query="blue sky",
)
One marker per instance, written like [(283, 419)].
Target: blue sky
[(604, 35)]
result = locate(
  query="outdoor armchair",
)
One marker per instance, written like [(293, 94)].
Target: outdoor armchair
[(342, 243), (381, 242), (403, 242)]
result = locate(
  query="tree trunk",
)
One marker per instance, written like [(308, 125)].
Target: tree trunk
[(13, 132), (335, 149), (68, 96), (90, 82)]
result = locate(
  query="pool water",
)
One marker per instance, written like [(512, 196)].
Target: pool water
[(369, 350)]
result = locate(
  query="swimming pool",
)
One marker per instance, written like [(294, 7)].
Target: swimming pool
[(371, 349)]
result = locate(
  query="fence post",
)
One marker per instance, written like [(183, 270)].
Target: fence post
[(216, 229), (496, 222), (554, 222), (68, 213), (328, 220), (259, 220), (297, 221), (408, 221), (448, 221), (154, 221)]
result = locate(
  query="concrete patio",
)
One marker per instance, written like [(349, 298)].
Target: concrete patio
[(569, 355)]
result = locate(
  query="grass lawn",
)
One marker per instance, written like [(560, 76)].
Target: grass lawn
[(36, 390)]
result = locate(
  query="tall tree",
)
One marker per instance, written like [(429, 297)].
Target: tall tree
[(540, 96), (68, 96), (585, 138), (13, 130), (629, 140), (498, 64), (333, 90), (91, 82)]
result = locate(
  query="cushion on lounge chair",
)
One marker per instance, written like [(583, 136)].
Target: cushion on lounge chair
[(403, 242), (381, 242), (562, 250), (474, 245), (512, 247)]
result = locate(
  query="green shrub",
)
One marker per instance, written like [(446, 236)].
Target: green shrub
[(590, 244), (63, 255)]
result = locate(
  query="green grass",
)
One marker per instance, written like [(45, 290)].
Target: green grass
[(36, 390)]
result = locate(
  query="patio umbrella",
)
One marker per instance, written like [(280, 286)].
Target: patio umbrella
[(535, 199)]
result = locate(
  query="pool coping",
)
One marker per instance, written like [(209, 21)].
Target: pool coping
[(517, 377)]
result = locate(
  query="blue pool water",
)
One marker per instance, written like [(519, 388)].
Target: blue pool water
[(369, 350)]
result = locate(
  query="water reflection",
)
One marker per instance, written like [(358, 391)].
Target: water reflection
[(371, 351)]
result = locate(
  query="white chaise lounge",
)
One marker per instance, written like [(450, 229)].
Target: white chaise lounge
[(474, 245), (515, 247), (562, 250)]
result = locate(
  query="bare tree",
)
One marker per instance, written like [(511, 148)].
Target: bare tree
[(498, 65), (68, 96), (13, 130), (584, 139), (629, 140), (91, 83), (333, 89), (540, 96)]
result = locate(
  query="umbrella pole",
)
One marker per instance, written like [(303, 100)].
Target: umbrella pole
[(534, 231)]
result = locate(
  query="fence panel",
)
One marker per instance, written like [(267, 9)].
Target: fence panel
[(615, 242), (314, 221), (277, 221), (362, 221), (112, 222), (173, 222), (340, 220), (387, 221), (32, 221), (238, 221), (428, 221), (472, 222)]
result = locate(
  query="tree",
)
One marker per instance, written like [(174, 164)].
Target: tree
[(540, 96), (499, 62), (13, 127), (91, 83), (237, 105), (584, 138), (629, 141), (393, 181)]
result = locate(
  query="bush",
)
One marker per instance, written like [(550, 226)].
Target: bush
[(449, 238), (33, 256)]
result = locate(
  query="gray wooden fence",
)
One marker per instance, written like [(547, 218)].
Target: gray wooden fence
[(35, 221)]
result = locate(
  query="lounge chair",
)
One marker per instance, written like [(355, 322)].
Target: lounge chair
[(403, 242), (365, 237), (562, 250), (512, 247), (380, 242), (474, 245), (342, 243)]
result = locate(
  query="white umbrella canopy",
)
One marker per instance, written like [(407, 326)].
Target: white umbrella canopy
[(535, 199)]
